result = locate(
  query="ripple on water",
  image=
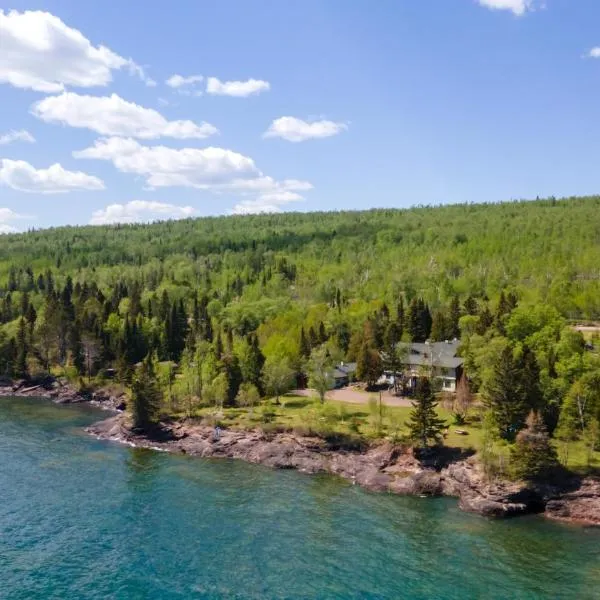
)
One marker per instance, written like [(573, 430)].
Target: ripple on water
[(85, 519)]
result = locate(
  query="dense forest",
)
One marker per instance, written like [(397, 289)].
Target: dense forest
[(240, 307)]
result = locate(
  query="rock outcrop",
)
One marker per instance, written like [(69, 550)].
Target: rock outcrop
[(61, 393), (382, 467), (581, 505)]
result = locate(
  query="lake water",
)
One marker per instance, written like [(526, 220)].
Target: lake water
[(83, 519)]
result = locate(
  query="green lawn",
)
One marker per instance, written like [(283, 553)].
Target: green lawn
[(308, 416)]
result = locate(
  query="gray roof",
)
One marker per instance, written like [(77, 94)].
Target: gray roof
[(347, 368), (440, 354), (339, 374)]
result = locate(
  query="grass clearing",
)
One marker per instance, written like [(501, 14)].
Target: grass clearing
[(337, 419)]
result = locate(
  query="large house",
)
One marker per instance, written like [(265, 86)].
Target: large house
[(437, 360), (343, 374)]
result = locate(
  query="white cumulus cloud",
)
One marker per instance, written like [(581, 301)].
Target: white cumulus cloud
[(270, 202), (177, 81), (7, 216), (239, 89), (138, 211), (20, 175), (16, 136), (111, 115), (594, 52), (214, 169), (200, 168), (40, 52), (185, 86), (518, 7), (297, 130)]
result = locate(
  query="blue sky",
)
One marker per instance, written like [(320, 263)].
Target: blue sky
[(312, 105)]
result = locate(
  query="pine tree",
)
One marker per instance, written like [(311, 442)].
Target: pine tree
[(255, 360), (425, 425), (470, 306), (21, 368), (146, 396), (454, 318), (368, 364), (233, 373), (414, 322), (11, 358), (400, 317), (503, 394), (486, 320), (76, 349), (419, 320), (323, 337), (304, 345), (439, 327), (533, 455), (530, 379)]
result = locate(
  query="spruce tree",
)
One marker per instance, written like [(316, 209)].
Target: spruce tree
[(503, 394), (369, 365), (439, 327), (21, 368), (424, 424), (454, 318), (304, 345), (533, 455), (146, 396), (400, 317), (254, 363)]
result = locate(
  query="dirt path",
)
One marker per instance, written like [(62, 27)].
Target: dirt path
[(353, 396)]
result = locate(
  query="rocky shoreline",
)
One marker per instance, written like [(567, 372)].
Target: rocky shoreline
[(61, 393), (382, 467)]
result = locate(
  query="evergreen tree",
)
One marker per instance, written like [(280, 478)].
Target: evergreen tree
[(470, 306), (454, 318), (233, 374), (400, 317), (76, 349), (486, 320), (146, 396), (419, 320), (425, 425), (503, 394), (439, 327), (369, 365), (21, 368), (9, 357), (533, 455), (530, 379), (304, 344), (253, 365)]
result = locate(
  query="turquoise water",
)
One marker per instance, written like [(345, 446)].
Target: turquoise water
[(85, 519)]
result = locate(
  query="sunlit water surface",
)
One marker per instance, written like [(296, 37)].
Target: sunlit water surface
[(83, 519)]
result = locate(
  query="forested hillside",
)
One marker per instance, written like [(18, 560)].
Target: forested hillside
[(243, 306), (546, 251)]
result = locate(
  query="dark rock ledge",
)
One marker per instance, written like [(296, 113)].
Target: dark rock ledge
[(382, 467), (61, 393)]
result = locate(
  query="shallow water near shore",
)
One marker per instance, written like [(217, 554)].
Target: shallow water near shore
[(86, 519)]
